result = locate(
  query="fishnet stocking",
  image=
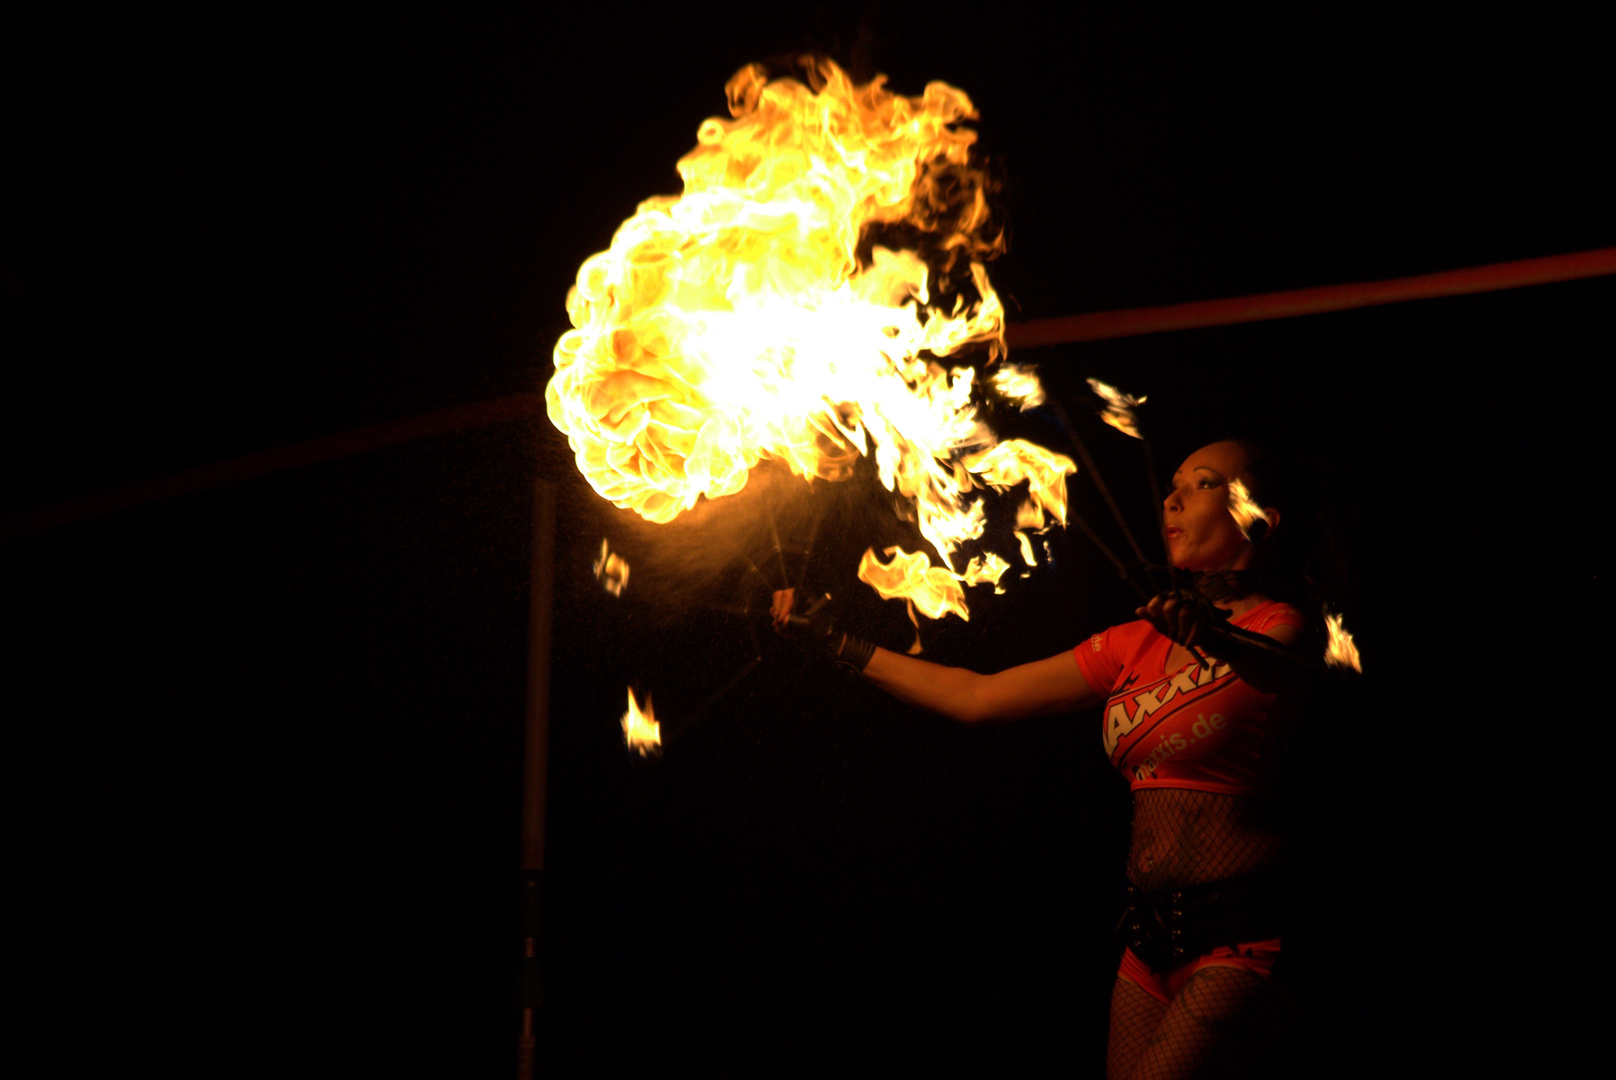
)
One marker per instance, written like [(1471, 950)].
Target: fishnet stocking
[(1219, 1025), (1135, 1016)]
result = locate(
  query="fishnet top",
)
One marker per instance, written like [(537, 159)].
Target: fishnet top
[(1182, 837)]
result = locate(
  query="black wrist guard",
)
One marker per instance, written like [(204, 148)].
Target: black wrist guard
[(815, 631), (853, 655)]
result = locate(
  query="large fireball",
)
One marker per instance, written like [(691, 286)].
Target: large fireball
[(742, 320)]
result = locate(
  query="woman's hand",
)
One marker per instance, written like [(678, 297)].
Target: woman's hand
[(1182, 618), (780, 608), (814, 630), (1194, 623)]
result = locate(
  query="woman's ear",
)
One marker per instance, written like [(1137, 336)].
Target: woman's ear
[(1272, 515)]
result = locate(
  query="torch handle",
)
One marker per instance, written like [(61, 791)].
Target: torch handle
[(1251, 639)]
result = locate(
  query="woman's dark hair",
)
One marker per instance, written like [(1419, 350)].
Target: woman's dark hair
[(1299, 562)]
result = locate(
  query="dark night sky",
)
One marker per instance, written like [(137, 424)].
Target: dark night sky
[(265, 740)]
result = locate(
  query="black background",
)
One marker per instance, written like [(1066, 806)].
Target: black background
[(264, 742)]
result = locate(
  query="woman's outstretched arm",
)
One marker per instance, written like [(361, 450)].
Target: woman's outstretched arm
[(1036, 689)]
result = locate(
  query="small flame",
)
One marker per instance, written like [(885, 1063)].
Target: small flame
[(1020, 385), (1026, 548), (1030, 519), (611, 570), (1342, 651), (932, 589), (1119, 408), (1029, 516), (935, 590), (640, 729), (1246, 511), (1012, 461), (986, 569)]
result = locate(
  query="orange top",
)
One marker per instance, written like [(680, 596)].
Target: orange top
[(1195, 728)]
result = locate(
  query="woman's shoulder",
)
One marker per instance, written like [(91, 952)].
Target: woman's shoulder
[(1267, 614), (1115, 648), (1136, 633)]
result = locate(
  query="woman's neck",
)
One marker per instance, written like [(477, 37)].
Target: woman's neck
[(1232, 590)]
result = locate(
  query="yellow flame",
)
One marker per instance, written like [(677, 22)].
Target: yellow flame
[(1020, 385), (986, 569), (739, 321), (1118, 408), (1012, 461), (640, 729), (1244, 508), (734, 322), (611, 570), (1342, 651), (935, 590), (932, 589), (1025, 542)]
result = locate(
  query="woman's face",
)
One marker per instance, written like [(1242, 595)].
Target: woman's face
[(1201, 533)]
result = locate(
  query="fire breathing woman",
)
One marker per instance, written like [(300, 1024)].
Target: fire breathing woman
[(1194, 716)]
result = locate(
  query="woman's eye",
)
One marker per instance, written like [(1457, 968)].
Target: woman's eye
[(1204, 483)]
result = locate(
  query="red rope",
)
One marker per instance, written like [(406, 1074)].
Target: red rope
[(1095, 326), (326, 448), (1286, 305)]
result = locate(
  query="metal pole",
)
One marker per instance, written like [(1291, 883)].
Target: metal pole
[(535, 759)]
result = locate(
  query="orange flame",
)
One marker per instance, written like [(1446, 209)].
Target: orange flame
[(986, 569), (1244, 508), (1119, 408), (1020, 385), (738, 322), (611, 570), (932, 589), (1342, 651), (1025, 542), (1013, 461), (640, 729)]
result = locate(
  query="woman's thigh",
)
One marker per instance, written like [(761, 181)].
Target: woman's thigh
[(1220, 1024), (1135, 1016)]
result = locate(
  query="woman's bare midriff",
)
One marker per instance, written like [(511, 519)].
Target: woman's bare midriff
[(1183, 837)]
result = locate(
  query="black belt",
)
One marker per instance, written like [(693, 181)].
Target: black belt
[(1166, 927)]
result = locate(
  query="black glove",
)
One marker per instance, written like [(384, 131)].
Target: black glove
[(815, 631)]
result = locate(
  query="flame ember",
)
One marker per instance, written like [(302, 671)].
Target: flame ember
[(1246, 512), (611, 570), (640, 729), (1342, 651), (742, 321), (1119, 408)]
